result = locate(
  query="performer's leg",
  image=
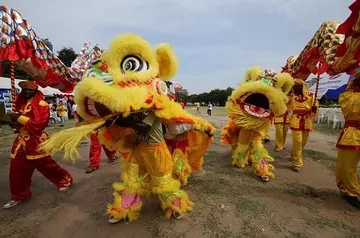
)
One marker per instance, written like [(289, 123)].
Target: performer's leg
[(21, 171), (305, 137), (127, 194), (266, 138), (261, 161), (94, 154), (285, 132), (346, 175), (279, 139), (111, 154), (54, 172), (159, 164), (296, 154)]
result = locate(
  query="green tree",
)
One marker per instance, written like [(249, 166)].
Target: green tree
[(216, 96), (19, 72), (48, 43), (67, 55)]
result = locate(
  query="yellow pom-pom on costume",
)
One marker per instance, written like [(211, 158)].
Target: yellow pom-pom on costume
[(251, 107), (157, 160)]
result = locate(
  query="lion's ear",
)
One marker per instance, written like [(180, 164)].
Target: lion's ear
[(167, 60), (285, 82)]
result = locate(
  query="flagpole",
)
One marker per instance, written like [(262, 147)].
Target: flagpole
[(317, 84)]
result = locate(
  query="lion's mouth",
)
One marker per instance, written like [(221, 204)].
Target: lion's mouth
[(96, 109), (257, 104)]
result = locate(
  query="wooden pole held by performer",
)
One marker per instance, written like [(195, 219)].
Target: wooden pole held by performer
[(317, 84), (13, 88)]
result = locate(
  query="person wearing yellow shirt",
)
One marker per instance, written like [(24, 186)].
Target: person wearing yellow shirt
[(348, 144), (62, 111), (197, 108), (304, 108), (282, 126)]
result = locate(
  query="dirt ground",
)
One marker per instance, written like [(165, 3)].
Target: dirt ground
[(229, 202)]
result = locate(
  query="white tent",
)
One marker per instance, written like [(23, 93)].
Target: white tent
[(5, 83)]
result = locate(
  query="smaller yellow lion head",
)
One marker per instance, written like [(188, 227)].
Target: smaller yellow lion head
[(261, 96)]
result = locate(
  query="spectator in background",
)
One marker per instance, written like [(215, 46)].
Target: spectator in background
[(74, 111), (62, 111), (182, 103), (197, 108), (210, 107), (69, 111)]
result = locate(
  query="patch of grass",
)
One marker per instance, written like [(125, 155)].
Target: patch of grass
[(320, 157), (217, 111), (306, 204), (298, 234), (328, 161), (303, 191), (152, 225), (250, 229), (322, 222), (213, 226), (326, 129), (249, 206)]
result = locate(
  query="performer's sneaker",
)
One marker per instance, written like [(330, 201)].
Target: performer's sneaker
[(112, 160), (91, 169), (265, 178), (278, 149), (177, 216), (296, 169), (11, 204), (64, 189), (114, 220), (353, 201)]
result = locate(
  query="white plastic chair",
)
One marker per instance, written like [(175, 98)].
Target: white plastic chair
[(339, 120), (322, 116), (329, 116)]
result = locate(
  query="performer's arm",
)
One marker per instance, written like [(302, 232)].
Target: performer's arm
[(36, 125), (315, 107), (349, 102)]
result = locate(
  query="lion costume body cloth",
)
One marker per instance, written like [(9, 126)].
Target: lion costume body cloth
[(157, 162), (251, 108)]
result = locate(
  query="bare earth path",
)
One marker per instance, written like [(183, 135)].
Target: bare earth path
[(229, 202)]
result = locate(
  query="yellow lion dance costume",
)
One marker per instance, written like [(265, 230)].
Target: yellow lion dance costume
[(251, 108), (160, 142)]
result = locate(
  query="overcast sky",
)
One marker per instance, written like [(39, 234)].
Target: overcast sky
[(215, 40)]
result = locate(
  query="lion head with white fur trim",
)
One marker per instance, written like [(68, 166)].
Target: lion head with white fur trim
[(137, 72), (261, 96)]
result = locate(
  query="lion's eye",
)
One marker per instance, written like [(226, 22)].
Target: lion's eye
[(132, 63)]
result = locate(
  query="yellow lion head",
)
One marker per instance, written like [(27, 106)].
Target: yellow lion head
[(138, 73), (261, 96)]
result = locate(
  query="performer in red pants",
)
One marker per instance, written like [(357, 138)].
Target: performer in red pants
[(95, 153), (30, 122)]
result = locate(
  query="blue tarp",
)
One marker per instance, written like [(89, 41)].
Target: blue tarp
[(334, 93)]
